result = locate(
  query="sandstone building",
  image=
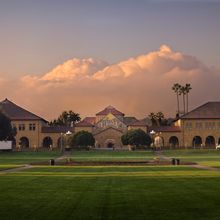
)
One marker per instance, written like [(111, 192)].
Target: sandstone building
[(198, 128)]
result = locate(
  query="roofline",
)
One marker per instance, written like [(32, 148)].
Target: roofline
[(185, 115), (107, 129), (25, 110)]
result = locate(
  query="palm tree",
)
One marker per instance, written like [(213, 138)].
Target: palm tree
[(153, 118), (187, 89), (176, 88), (160, 116), (183, 92)]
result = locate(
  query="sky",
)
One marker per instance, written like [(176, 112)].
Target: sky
[(57, 45)]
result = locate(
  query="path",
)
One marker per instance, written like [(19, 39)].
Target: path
[(202, 167), (28, 166), (17, 169)]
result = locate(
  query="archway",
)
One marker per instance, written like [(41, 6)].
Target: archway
[(110, 145), (13, 142), (197, 142), (24, 142), (210, 142), (59, 144), (47, 142), (174, 142)]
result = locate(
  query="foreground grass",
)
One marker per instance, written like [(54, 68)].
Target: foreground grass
[(110, 193)]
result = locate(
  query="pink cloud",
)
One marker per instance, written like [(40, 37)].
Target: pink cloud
[(135, 86)]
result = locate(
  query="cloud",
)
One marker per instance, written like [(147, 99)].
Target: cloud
[(135, 86)]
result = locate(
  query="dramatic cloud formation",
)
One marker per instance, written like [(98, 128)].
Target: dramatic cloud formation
[(135, 86)]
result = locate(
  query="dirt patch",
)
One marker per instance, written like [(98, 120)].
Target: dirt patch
[(112, 163)]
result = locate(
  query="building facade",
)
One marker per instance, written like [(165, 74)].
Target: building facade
[(199, 128)]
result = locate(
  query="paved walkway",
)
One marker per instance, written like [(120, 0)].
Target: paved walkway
[(17, 169), (202, 167)]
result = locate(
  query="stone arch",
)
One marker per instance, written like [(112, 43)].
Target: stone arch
[(59, 143), (210, 142), (24, 142), (13, 142), (174, 142), (47, 142), (110, 143), (197, 141)]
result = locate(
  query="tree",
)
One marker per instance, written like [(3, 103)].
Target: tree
[(160, 117), (82, 139), (67, 118), (176, 88), (153, 118), (187, 90), (6, 130), (183, 92), (136, 138), (156, 118)]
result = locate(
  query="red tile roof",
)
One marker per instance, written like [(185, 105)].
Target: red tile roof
[(210, 110), (139, 123), (110, 109), (166, 129), (57, 129), (83, 124), (15, 112), (90, 120)]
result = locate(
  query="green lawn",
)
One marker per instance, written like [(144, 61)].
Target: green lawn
[(19, 158), (110, 193), (200, 156), (109, 155)]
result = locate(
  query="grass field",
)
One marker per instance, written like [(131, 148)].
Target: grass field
[(203, 157), (109, 192)]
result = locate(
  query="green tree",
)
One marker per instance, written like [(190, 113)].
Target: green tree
[(160, 117), (82, 139), (67, 118), (136, 137), (153, 118), (6, 130)]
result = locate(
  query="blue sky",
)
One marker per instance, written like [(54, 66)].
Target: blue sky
[(38, 35)]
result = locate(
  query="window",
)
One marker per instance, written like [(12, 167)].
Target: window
[(199, 125), (32, 127), (21, 127), (188, 125)]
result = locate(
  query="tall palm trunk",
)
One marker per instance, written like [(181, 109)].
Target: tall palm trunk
[(184, 104), (178, 103), (187, 103)]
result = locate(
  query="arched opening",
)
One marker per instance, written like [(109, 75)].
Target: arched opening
[(110, 145), (174, 142), (47, 142), (197, 142), (219, 141), (59, 144), (13, 142), (210, 142), (24, 142)]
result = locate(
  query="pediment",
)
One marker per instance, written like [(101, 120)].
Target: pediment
[(110, 120)]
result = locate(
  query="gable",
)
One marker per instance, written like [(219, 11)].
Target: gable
[(210, 110), (110, 120)]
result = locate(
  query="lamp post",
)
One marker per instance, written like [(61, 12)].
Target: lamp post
[(67, 134), (152, 133)]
